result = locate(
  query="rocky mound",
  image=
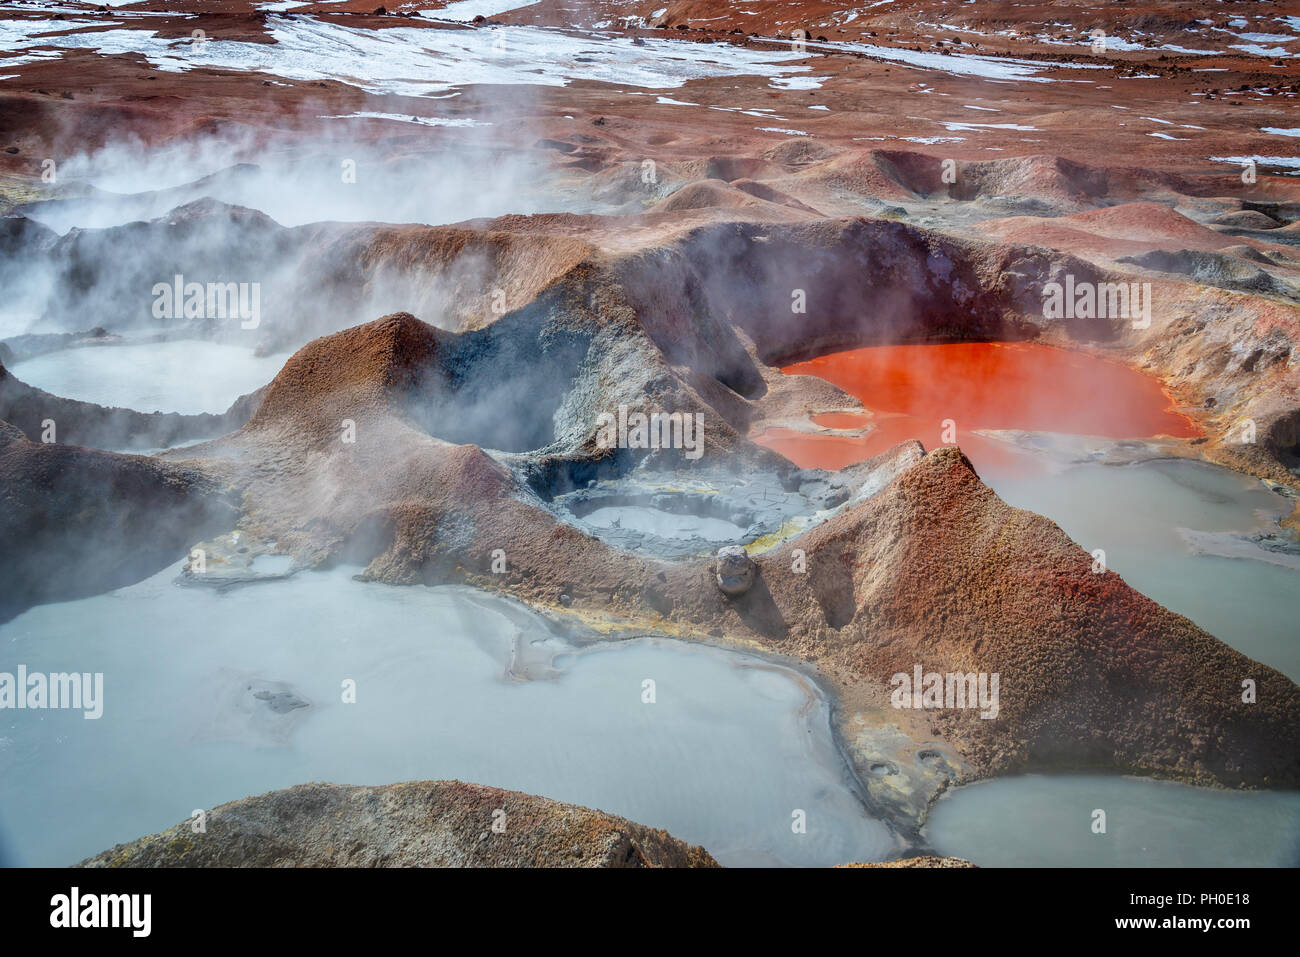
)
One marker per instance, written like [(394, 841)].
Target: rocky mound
[(415, 824), (1247, 219), (716, 194), (1214, 269), (937, 571)]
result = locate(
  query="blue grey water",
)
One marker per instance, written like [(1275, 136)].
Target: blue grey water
[(1047, 821), (1135, 514), (187, 376)]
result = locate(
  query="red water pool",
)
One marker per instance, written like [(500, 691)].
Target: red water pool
[(912, 390)]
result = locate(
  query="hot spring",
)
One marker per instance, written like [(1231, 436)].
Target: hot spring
[(186, 376), (915, 391), (1153, 520), (719, 748)]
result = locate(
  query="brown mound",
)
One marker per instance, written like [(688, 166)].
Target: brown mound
[(1247, 219), (1115, 231), (366, 370), (415, 824), (715, 194), (936, 570)]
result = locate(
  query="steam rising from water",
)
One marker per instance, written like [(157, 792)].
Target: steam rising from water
[(340, 169), (312, 280)]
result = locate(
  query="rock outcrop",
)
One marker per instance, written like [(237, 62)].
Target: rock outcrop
[(414, 824)]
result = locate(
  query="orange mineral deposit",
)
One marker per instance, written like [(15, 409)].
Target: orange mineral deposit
[(912, 390)]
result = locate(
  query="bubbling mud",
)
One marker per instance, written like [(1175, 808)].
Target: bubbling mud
[(652, 521), (914, 391)]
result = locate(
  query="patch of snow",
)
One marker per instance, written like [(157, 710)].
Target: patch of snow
[(414, 61), (798, 82), (404, 118), (953, 126), (463, 11), (1283, 162)]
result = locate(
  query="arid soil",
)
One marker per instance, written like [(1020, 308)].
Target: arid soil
[(925, 185)]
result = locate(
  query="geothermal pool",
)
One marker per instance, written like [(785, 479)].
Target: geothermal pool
[(1046, 821), (912, 390), (187, 376), (450, 683), (653, 521)]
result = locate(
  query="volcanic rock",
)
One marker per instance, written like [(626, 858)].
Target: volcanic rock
[(414, 824), (734, 570)]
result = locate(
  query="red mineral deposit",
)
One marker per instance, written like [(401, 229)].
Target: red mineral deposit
[(912, 390)]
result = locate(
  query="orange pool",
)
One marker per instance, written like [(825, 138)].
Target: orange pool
[(979, 385)]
